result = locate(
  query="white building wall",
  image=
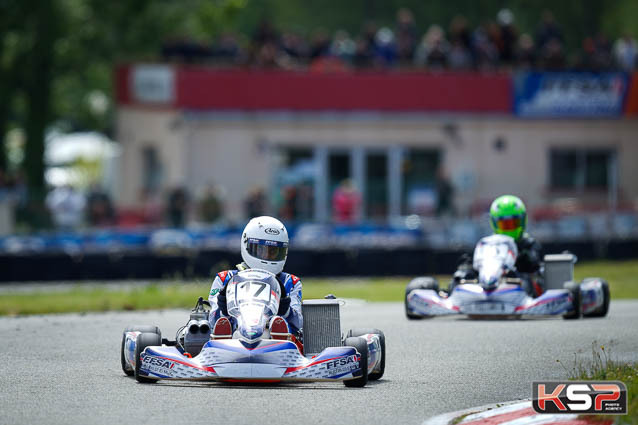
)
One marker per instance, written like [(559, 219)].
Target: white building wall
[(233, 149)]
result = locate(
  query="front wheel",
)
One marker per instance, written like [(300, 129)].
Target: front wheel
[(361, 345), (363, 331), (419, 283), (145, 340), (603, 309), (126, 368), (574, 289)]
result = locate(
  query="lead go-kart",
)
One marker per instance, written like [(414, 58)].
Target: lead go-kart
[(499, 292), (251, 355)]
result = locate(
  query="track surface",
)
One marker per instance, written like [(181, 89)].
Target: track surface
[(65, 369)]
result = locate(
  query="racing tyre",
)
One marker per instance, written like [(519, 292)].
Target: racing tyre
[(361, 346), (574, 288), (419, 283), (145, 339), (604, 309), (362, 331), (126, 368)]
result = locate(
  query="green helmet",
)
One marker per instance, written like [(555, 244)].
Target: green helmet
[(508, 216)]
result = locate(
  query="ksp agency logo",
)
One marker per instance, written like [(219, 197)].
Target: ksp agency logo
[(581, 397)]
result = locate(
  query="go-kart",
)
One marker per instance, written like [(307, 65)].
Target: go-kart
[(498, 291), (251, 355)]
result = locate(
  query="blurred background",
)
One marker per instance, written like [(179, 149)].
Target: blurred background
[(138, 137)]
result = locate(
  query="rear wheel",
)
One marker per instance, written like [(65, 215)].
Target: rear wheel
[(603, 309), (574, 289), (418, 283), (126, 368), (362, 331), (145, 340), (361, 346)]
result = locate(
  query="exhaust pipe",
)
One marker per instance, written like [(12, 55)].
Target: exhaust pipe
[(204, 327), (193, 327), (201, 326)]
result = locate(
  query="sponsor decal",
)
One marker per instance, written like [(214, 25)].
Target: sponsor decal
[(271, 231), (222, 275), (581, 397), (294, 278), (157, 365), (343, 365), (214, 291)]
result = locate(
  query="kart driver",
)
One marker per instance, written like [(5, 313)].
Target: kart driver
[(508, 216), (264, 245)]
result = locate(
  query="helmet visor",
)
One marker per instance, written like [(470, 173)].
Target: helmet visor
[(509, 223), (267, 250)]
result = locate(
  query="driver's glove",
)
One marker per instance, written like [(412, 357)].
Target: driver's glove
[(221, 303), (284, 306)]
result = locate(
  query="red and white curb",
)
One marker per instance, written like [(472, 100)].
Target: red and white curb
[(513, 413)]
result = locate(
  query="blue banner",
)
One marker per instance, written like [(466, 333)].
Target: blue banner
[(569, 94)]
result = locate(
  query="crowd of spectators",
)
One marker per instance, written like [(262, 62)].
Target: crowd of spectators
[(494, 45)]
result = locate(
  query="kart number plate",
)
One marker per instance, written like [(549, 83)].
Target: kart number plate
[(490, 307)]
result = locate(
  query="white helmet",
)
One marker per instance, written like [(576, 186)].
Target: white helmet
[(264, 244)]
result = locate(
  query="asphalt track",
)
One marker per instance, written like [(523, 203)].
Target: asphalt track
[(65, 369)]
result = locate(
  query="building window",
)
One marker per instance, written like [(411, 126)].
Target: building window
[(151, 170), (376, 194), (419, 181), (580, 169), (293, 194)]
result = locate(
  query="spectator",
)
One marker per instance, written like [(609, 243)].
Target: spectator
[(406, 36), (210, 206), (526, 52), (488, 47), (444, 194), (459, 31), (626, 53), (485, 52), (548, 31), (433, 50), (552, 56), (255, 203), (99, 208), (294, 46), (185, 49), (288, 209), (319, 44), (363, 55), (265, 33), (386, 49), (603, 58), (66, 206), (177, 207), (267, 56), (151, 207), (227, 49), (343, 47), (460, 57), (508, 36), (346, 201)]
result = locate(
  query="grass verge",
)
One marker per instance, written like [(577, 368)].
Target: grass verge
[(604, 368), (84, 298)]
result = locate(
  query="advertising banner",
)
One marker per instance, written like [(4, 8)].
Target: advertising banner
[(569, 94)]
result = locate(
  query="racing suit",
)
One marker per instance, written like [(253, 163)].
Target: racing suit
[(291, 285), (528, 264)]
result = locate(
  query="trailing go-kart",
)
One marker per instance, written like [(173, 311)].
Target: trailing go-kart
[(251, 355), (498, 291)]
